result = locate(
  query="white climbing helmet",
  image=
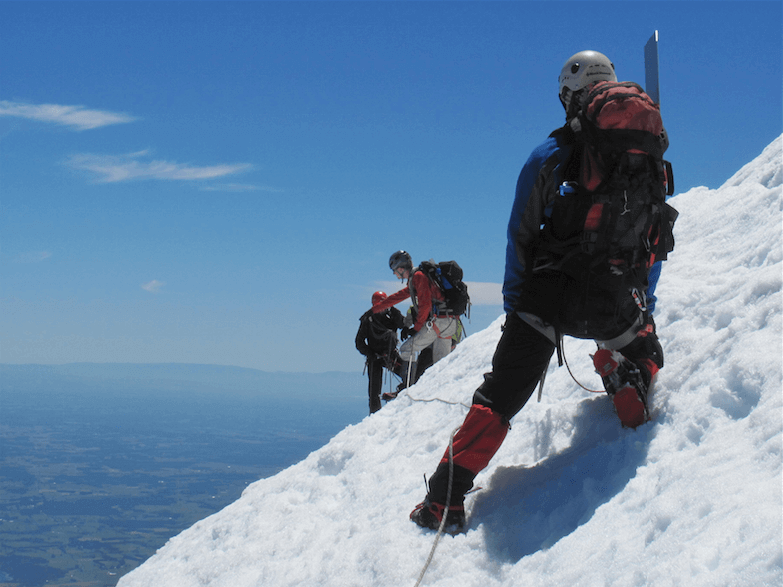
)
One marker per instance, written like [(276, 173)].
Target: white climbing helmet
[(580, 71)]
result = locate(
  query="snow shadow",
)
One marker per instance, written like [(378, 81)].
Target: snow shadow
[(528, 509)]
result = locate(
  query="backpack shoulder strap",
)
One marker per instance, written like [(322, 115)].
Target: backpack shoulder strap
[(430, 269)]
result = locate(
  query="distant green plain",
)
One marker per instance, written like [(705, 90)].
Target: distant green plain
[(95, 478)]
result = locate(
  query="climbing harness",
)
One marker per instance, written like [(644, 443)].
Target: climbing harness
[(561, 355)]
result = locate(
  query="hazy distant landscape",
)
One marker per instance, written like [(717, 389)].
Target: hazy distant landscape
[(101, 464)]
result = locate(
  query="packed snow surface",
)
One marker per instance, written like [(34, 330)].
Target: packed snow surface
[(692, 498)]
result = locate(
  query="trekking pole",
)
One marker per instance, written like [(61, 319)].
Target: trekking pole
[(541, 381), (413, 360), (390, 380)]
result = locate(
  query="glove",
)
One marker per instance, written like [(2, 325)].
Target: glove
[(405, 333)]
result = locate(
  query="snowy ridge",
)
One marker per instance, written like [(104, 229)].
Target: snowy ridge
[(692, 498)]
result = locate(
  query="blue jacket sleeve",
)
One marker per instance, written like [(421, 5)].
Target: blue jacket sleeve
[(652, 281), (528, 209)]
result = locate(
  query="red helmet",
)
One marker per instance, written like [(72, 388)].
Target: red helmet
[(378, 296)]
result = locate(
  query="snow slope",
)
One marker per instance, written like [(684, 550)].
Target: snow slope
[(692, 498)]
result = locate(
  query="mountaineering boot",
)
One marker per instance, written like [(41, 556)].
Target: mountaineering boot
[(625, 385), (430, 515), (388, 396)]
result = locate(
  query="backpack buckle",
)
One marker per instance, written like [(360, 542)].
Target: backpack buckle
[(589, 240)]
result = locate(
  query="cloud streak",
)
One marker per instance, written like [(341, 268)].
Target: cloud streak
[(485, 294), (76, 117), (116, 168), (33, 257), (152, 286), (481, 293), (240, 188)]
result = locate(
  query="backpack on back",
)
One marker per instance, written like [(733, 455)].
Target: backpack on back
[(447, 275), (610, 215)]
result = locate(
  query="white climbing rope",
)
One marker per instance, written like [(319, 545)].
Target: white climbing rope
[(445, 510)]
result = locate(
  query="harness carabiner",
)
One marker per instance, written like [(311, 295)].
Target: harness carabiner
[(625, 203)]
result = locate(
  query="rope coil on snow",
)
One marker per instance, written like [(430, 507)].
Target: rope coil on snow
[(435, 399)]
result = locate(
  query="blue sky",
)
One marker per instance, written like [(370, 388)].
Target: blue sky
[(224, 182)]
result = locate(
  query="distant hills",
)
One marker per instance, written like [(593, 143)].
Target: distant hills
[(175, 377)]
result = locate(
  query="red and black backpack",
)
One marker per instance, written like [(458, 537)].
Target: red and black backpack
[(610, 214)]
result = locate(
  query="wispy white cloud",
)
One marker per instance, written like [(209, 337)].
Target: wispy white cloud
[(77, 117), (481, 293), (389, 286), (114, 168), (33, 257), (485, 294), (239, 188), (152, 286)]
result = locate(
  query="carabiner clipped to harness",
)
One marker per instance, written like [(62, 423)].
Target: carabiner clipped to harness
[(639, 299)]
